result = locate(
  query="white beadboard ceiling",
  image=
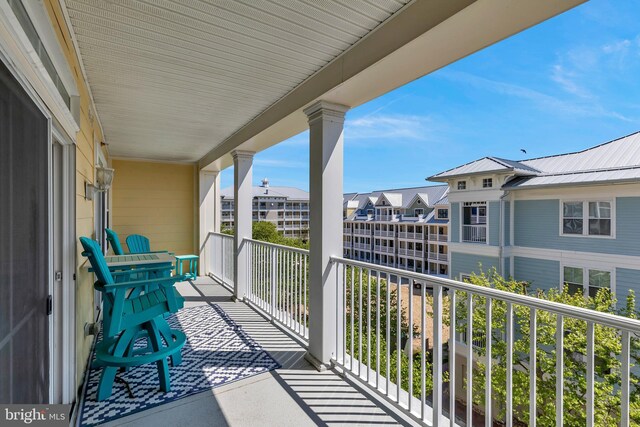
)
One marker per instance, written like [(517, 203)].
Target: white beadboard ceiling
[(171, 79)]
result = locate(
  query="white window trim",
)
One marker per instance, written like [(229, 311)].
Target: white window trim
[(586, 266), (585, 217)]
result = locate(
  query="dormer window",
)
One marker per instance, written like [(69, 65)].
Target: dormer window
[(487, 182), (462, 185)]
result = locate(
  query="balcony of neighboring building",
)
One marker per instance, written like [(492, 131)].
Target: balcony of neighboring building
[(474, 223)]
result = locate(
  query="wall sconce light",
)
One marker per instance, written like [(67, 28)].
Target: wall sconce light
[(104, 178)]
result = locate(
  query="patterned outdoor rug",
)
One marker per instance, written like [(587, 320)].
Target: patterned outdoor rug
[(217, 352)]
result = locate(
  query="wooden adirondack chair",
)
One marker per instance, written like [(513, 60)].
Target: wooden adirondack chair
[(114, 241), (130, 314), (138, 244)]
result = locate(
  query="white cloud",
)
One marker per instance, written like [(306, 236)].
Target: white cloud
[(389, 126), (541, 100), (567, 80)]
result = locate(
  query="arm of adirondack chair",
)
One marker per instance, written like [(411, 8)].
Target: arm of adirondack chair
[(141, 270), (162, 281)]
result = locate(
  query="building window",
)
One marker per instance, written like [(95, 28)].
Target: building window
[(443, 213), (462, 185), (487, 182), (596, 215), (369, 211), (585, 280), (419, 212)]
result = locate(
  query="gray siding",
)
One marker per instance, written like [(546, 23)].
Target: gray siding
[(454, 219), (541, 273), (466, 264), (494, 223), (627, 279), (537, 224), (505, 223)]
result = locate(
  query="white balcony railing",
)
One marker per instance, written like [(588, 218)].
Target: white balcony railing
[(365, 302), (438, 237), (438, 257), (409, 236), (362, 246), (384, 249), (361, 232), (384, 233), (278, 284), (221, 258), (474, 233), (366, 296)]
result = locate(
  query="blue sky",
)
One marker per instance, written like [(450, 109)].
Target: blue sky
[(567, 84)]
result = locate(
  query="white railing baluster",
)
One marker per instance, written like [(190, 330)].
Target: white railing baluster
[(360, 309), (352, 310), (388, 346), (368, 326), (410, 343), (423, 345), (625, 378), (488, 420), (452, 358), (398, 339), (274, 281), (533, 367), (344, 319), (509, 368), (295, 308), (559, 371), (304, 287), (378, 332), (437, 354), (338, 315), (590, 374), (469, 358)]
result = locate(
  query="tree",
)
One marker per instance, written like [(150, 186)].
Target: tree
[(266, 231), (607, 355), (366, 284)]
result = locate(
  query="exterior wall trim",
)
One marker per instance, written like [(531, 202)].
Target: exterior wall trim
[(618, 261), (474, 249)]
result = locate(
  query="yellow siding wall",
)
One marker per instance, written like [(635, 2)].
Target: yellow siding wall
[(156, 200), (85, 155)]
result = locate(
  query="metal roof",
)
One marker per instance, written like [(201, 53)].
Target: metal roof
[(576, 178), (485, 165), (619, 153), (617, 160)]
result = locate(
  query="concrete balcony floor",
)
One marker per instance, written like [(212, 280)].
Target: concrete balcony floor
[(294, 395)]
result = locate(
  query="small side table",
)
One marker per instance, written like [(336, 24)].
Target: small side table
[(192, 271)]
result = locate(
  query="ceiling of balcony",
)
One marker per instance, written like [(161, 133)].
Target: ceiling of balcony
[(171, 79)]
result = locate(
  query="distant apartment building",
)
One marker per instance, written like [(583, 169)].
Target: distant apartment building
[(569, 218), (404, 228), (286, 207)]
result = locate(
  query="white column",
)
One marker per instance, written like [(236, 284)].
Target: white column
[(209, 215), (326, 155), (243, 196)]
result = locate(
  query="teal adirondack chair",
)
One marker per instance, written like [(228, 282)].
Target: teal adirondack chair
[(138, 244), (134, 310), (114, 241)]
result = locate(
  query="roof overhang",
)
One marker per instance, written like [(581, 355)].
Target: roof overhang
[(415, 40), (422, 38)]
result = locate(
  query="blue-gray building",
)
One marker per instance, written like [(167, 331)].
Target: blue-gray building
[(571, 218)]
